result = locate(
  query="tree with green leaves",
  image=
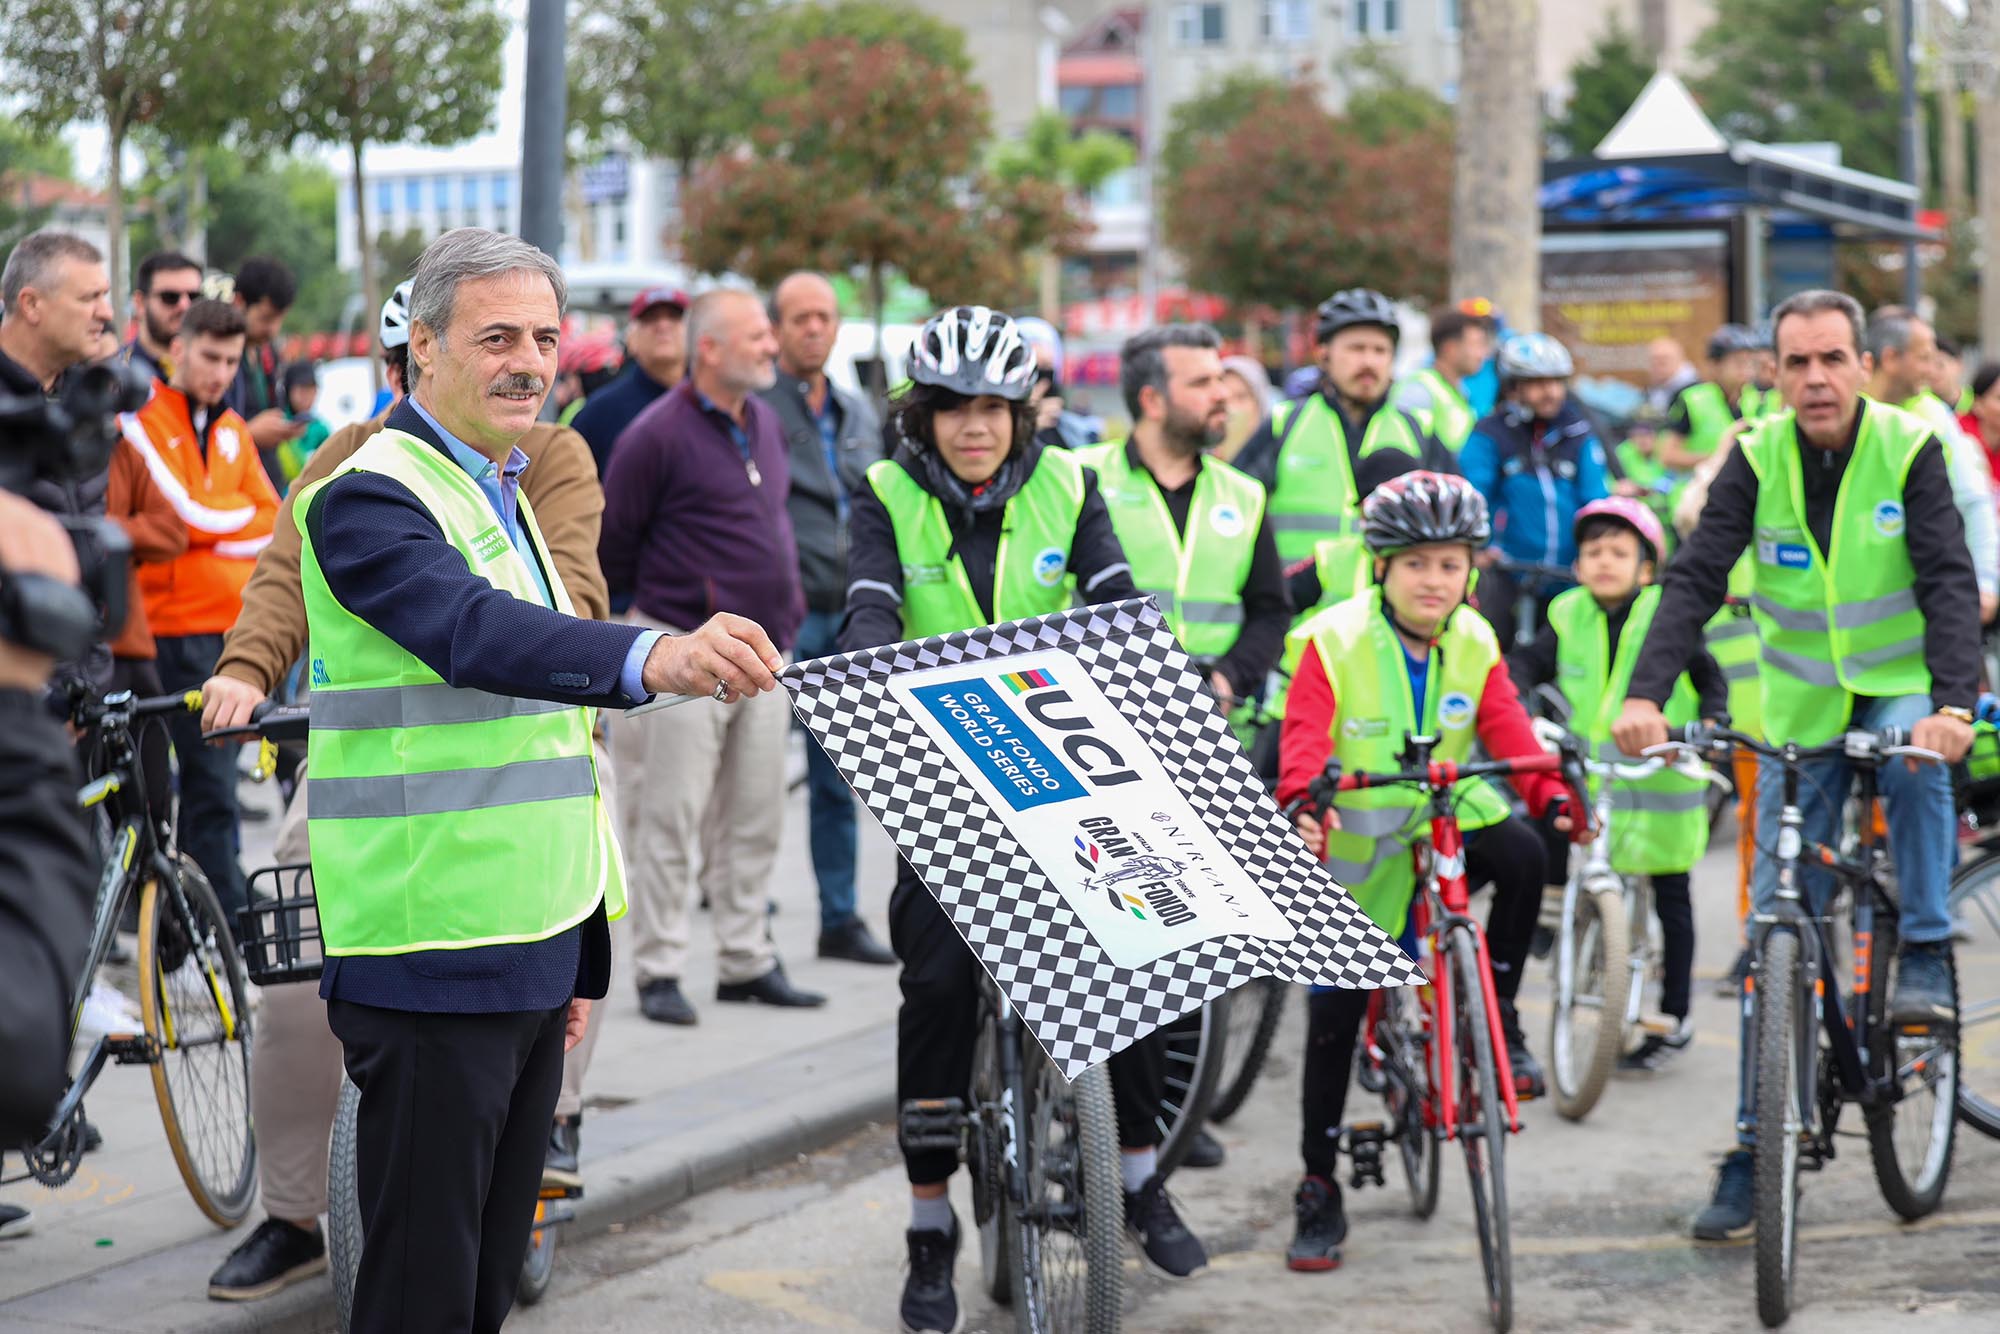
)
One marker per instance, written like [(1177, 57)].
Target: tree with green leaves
[(869, 159), (1782, 71), (1196, 124), (23, 157), (391, 71), (1383, 102), (1052, 154), (674, 78), (1604, 84)]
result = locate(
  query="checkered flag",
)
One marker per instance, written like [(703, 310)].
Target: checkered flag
[(1072, 796)]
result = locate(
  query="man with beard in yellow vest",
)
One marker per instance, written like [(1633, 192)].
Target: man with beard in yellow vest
[(462, 855)]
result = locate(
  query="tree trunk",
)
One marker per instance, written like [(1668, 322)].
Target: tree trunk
[(114, 209), (1050, 270), (876, 301), (1988, 114), (371, 300), (1496, 221), (195, 242), (1951, 141)]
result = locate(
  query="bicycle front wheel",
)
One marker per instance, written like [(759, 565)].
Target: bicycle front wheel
[(1195, 1047), (1975, 916), (1069, 1246), (1406, 1092), (1910, 1135), (540, 1265), (343, 1202), (1785, 1026), (194, 1003), (1254, 1013), (1482, 1128), (1587, 1027)]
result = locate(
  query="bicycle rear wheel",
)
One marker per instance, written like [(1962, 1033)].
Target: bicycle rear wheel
[(540, 1265), (1254, 1014), (343, 1202), (1910, 1139), (1195, 1048), (1587, 1025), (1975, 914), (1482, 1130), (988, 1132), (194, 1003), (1069, 1245), (1785, 1027)]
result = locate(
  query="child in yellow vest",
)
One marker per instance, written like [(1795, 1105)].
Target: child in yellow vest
[(1659, 826)]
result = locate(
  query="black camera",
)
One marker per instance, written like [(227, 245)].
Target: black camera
[(54, 443)]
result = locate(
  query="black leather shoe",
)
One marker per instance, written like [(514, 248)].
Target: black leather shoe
[(559, 1169), (773, 988), (854, 943), (1205, 1151), (275, 1256), (663, 1003)]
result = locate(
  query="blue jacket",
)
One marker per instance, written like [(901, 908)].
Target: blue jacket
[(1535, 477)]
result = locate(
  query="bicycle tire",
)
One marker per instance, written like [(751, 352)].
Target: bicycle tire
[(1974, 903), (1407, 1082), (539, 1266), (1584, 1047), (1936, 1065), (1196, 1045), (1255, 1012), (1483, 1109), (1083, 1168), (985, 1158), (1779, 1106), (194, 1004), (343, 1202)]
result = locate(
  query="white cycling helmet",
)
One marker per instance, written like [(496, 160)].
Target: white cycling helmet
[(1534, 356), (395, 328), (973, 350)]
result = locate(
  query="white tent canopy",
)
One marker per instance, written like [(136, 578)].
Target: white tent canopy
[(1664, 120)]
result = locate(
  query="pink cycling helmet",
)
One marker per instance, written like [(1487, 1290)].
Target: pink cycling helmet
[(1630, 512)]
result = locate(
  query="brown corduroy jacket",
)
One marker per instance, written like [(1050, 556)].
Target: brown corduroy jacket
[(560, 482)]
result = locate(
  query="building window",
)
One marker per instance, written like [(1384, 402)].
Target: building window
[(1377, 18), (1198, 25), (413, 195), (385, 199), (1284, 22), (1076, 101), (468, 193), (440, 194), (502, 194), (1118, 101), (1448, 14)]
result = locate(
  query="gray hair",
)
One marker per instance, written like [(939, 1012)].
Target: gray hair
[(705, 315), (1889, 333), (473, 252), (1142, 362), (34, 260), (1817, 302)]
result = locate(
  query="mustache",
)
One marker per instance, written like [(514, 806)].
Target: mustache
[(518, 384)]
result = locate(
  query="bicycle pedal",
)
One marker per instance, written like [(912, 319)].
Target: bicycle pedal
[(1363, 1141), (931, 1123)]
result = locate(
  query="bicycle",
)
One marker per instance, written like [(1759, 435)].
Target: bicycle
[(1438, 1057), (1903, 1077), (281, 943), (194, 1008), (1533, 583), (1975, 911), (1255, 1011), (1047, 1195)]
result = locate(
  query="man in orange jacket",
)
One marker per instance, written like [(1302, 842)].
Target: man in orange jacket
[(202, 456)]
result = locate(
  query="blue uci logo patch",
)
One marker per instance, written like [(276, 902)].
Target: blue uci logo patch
[(1455, 710), (1010, 756), (1051, 564), (1889, 519)]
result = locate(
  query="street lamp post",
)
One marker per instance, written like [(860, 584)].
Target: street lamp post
[(543, 126)]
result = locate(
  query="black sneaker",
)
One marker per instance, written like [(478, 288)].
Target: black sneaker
[(15, 1222), (1543, 943), (1655, 1050), (1528, 1079), (559, 1169), (1729, 1214), (929, 1304), (662, 1002), (1924, 992), (1165, 1243), (1322, 1227), (275, 1256), (1205, 1151)]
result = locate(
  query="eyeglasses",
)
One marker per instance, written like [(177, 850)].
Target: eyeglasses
[(169, 297)]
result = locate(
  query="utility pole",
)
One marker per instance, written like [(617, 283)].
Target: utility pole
[(544, 126), (1906, 144)]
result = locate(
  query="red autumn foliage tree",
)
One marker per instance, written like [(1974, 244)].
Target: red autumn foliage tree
[(1289, 202)]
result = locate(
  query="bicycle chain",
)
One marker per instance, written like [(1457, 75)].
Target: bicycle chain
[(55, 1160)]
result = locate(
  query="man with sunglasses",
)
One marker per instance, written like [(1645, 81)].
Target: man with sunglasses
[(165, 285)]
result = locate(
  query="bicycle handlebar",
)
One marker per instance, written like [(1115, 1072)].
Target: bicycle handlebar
[(1856, 744), (271, 721), (1443, 773)]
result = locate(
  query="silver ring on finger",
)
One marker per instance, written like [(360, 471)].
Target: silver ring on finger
[(721, 692)]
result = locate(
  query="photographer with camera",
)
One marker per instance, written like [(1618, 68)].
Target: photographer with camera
[(46, 870)]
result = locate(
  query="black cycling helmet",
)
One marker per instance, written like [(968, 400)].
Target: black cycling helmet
[(973, 350), (1423, 507), (1732, 338), (1355, 306)]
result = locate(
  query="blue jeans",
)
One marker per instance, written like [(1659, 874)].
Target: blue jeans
[(834, 836), (1923, 840)]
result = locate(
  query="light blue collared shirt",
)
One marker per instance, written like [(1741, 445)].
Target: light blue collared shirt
[(501, 485)]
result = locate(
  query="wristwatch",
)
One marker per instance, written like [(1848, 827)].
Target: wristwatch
[(1954, 711)]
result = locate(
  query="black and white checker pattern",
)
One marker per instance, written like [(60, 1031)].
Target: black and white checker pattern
[(1081, 1005)]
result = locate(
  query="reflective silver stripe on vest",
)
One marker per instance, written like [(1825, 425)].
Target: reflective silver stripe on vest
[(1856, 663), (1740, 671), (1736, 627), (1640, 800), (1347, 873), (1810, 670), (395, 796), (1791, 618), (1375, 822), (1857, 615), (1331, 524), (418, 706), (1212, 613)]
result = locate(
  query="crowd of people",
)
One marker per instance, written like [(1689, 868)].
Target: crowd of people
[(1373, 555)]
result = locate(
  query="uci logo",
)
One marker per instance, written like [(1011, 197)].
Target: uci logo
[(1050, 566), (1889, 519), (1226, 520), (1455, 710)]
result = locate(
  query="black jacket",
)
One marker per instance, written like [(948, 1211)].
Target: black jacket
[(819, 497), (47, 875), (1947, 589), (1259, 456), (1535, 665), (875, 569)]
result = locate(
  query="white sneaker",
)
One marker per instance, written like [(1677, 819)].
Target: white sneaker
[(108, 1010)]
